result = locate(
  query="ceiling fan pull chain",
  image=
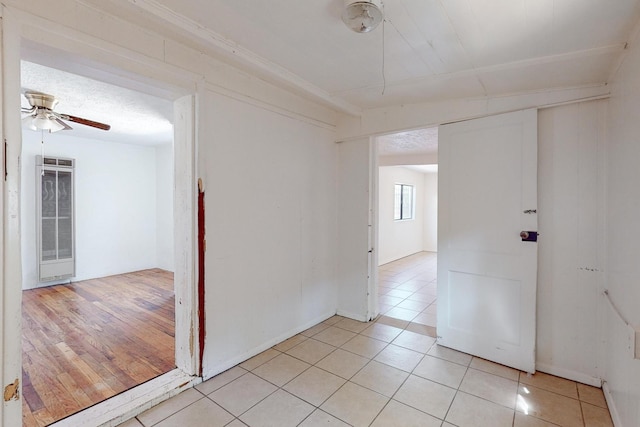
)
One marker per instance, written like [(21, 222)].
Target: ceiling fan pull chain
[(42, 147), (384, 78)]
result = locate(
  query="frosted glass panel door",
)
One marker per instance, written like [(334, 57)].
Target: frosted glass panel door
[(56, 247)]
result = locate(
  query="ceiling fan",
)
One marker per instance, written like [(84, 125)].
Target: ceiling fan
[(41, 115)]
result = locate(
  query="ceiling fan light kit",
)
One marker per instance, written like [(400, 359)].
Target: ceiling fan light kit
[(42, 121), (362, 16)]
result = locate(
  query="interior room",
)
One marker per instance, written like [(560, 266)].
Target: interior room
[(407, 158), (276, 112), (98, 300)]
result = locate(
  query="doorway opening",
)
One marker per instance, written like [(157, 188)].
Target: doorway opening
[(407, 228), (108, 324)]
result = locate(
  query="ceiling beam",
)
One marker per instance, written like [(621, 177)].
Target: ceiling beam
[(477, 72), (254, 62)]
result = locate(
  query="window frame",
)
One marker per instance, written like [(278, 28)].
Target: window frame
[(404, 216)]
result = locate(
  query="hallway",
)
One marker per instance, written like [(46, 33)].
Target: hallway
[(407, 291)]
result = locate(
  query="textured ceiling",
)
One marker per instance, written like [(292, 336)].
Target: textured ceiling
[(135, 118), (422, 141)]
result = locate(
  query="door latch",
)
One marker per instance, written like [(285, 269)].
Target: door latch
[(529, 236)]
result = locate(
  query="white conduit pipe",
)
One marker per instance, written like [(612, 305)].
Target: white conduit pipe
[(615, 308)]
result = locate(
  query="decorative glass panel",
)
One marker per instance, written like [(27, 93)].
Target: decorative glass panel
[(64, 194), (49, 194)]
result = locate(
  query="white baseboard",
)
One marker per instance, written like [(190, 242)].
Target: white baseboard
[(228, 364), (613, 410), (360, 318), (569, 374)]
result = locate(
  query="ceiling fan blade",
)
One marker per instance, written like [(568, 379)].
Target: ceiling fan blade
[(66, 126), (86, 122)]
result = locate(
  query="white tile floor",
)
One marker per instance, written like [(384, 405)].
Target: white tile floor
[(385, 373)]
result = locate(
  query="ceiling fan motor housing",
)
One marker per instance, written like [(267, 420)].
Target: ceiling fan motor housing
[(42, 100)]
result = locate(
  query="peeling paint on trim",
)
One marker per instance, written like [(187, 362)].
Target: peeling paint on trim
[(12, 391), (191, 339)]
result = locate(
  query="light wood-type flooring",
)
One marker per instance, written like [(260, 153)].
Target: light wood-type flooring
[(87, 341)]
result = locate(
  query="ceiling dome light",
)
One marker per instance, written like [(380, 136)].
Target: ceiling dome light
[(362, 16), (41, 120), (28, 123)]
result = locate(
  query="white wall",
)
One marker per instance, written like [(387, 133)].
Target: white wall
[(270, 196), (116, 222), (164, 207), (354, 215), (621, 372), (430, 228), (398, 239), (571, 224)]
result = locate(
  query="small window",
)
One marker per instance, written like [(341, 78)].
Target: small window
[(403, 205)]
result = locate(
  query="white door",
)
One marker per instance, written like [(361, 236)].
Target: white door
[(487, 187)]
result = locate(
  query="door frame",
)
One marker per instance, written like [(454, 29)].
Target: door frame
[(375, 205), (185, 88), (374, 217)]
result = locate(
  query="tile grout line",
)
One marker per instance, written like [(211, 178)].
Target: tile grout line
[(458, 389), (172, 414)]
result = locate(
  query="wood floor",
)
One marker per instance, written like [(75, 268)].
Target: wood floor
[(88, 341)]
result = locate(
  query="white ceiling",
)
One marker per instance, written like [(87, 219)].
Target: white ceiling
[(423, 168), (433, 49)]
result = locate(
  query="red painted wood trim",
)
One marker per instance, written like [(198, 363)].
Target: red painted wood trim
[(201, 251)]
